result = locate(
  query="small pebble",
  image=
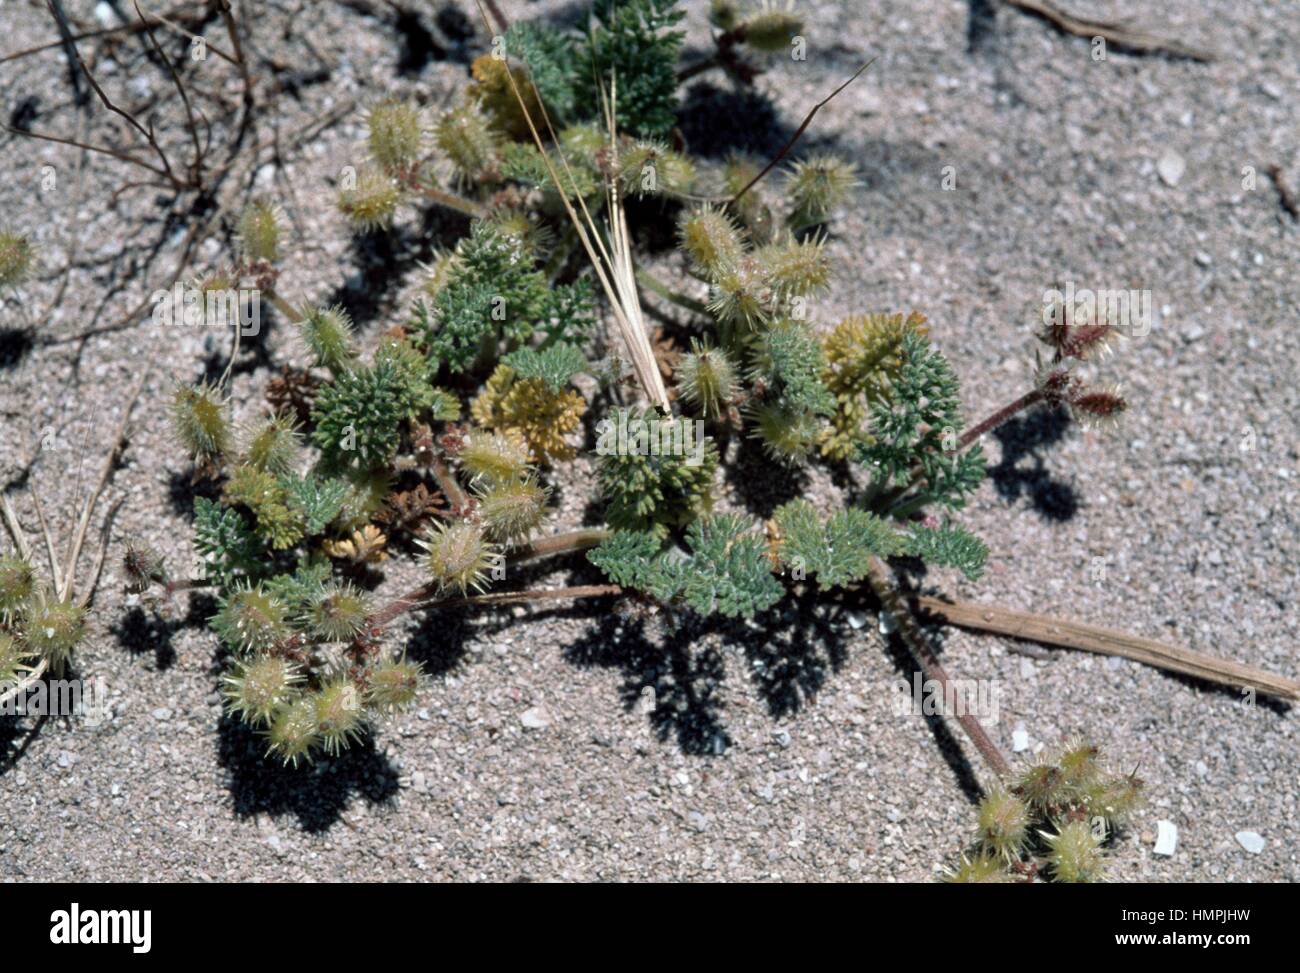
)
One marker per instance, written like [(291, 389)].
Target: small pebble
[(1171, 167), (1019, 739), (1251, 841), (1166, 838), (535, 718), (162, 714)]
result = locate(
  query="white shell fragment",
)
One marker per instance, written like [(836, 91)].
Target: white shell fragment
[(1019, 739), (1166, 838), (1171, 168), (1251, 841)]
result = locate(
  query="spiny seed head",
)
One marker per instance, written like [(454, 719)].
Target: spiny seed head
[(984, 868), (458, 555), (1082, 341), (1097, 406), (199, 421), (1003, 823), (439, 273), (706, 379), (648, 168), (1114, 798), (742, 295), (710, 239), (259, 231), (1078, 763), (494, 457), (371, 204), (259, 686), (771, 28), (395, 129), (12, 659), (816, 186), (464, 135), (795, 268), (293, 730), (392, 684), (511, 509), (1074, 853), (143, 567), (338, 613), (17, 585), (251, 619), (787, 436), (271, 444), (339, 716), (327, 332), (1043, 786), (526, 236), (16, 258), (51, 628)]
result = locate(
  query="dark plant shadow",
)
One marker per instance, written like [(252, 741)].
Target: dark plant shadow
[(15, 345), (794, 655), (315, 793), (762, 482), (715, 122), (948, 744), (1022, 471), (981, 25), (680, 684), (140, 631), (182, 489)]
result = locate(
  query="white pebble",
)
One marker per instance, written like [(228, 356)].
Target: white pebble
[(1171, 167), (1166, 838), (1251, 841), (1019, 739)]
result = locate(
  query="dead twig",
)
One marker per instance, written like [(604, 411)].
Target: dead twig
[(1136, 40), (882, 583), (785, 150), (1105, 641), (1284, 194)]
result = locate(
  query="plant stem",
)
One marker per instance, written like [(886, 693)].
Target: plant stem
[(1032, 397), (429, 595), (450, 200), (656, 286), (534, 594), (1105, 641), (576, 540), (447, 483), (886, 590)]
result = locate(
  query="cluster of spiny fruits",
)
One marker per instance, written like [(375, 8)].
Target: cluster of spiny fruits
[(37, 626), (446, 434), (1053, 823)]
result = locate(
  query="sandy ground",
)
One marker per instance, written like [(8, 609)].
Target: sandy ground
[(730, 753)]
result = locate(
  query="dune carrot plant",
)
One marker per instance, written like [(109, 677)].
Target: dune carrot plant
[(442, 438)]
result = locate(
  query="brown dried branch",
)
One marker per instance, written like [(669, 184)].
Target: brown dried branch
[(1136, 40), (1105, 641)]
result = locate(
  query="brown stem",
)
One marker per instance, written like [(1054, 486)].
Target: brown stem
[(450, 200), (429, 595), (886, 590), (535, 594), (1032, 397), (1105, 641), (452, 490), (575, 540)]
